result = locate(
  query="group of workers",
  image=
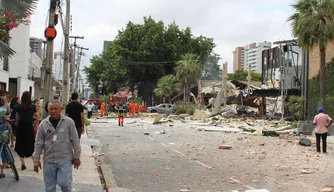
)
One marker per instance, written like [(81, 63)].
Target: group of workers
[(121, 110)]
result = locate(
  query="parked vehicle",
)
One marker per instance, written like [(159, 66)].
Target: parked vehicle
[(164, 108)]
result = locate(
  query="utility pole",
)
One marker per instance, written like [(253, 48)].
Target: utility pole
[(50, 34), (65, 87), (224, 84), (73, 59), (249, 77), (282, 81), (78, 69), (43, 64)]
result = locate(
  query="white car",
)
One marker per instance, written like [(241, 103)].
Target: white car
[(164, 108)]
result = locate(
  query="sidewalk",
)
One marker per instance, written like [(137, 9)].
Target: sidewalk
[(85, 179)]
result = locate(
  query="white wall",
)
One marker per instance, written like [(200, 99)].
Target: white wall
[(24, 84), (4, 78), (19, 63), (36, 62)]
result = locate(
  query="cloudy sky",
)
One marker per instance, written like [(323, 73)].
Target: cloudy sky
[(231, 23)]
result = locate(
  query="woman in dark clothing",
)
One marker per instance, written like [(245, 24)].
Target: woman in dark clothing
[(14, 104), (25, 139)]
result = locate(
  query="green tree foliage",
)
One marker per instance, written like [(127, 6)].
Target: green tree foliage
[(211, 69), (314, 98), (313, 25), (188, 69), (241, 75), (295, 106), (166, 86), (143, 53)]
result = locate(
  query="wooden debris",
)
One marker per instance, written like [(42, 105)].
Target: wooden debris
[(225, 147)]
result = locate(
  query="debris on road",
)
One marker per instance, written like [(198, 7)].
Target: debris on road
[(146, 133), (225, 147), (326, 190)]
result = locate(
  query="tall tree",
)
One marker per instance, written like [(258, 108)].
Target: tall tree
[(313, 25), (211, 69), (143, 53), (188, 69), (166, 86), (9, 8)]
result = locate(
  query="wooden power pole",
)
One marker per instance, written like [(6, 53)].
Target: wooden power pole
[(73, 60), (224, 83), (78, 68), (48, 92)]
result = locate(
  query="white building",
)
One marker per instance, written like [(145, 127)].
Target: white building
[(57, 68), (24, 65), (253, 56)]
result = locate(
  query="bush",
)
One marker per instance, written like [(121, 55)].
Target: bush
[(184, 107), (295, 106)]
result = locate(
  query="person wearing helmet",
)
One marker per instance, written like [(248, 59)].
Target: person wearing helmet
[(120, 109)]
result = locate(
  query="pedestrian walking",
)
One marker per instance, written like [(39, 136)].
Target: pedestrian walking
[(75, 111), (25, 139), (57, 136), (4, 111), (37, 116), (14, 104), (89, 110), (322, 121)]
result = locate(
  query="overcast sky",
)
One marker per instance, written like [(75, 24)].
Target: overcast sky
[(231, 23)]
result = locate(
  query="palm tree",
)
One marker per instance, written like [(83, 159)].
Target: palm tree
[(313, 25), (20, 7), (166, 86), (188, 69)]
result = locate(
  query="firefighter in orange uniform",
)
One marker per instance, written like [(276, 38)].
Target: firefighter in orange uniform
[(132, 109), (136, 107), (102, 110)]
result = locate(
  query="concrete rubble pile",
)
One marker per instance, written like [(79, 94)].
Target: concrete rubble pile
[(233, 118)]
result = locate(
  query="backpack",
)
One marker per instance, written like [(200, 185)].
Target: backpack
[(3, 111)]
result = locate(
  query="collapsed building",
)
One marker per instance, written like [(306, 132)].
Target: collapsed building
[(283, 75)]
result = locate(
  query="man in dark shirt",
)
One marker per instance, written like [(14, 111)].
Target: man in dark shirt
[(75, 111)]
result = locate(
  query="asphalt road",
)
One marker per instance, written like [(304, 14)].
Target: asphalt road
[(180, 158), (186, 158)]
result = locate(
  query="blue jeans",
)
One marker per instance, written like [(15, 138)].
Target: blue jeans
[(58, 173)]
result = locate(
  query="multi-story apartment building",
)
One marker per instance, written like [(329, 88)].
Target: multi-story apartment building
[(24, 66), (253, 55), (238, 58), (36, 46), (249, 55), (57, 68)]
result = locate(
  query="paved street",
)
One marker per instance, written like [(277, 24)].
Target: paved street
[(185, 158)]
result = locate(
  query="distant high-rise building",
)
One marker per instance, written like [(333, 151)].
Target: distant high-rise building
[(249, 55), (238, 58), (105, 45), (57, 67), (36, 46), (253, 55)]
